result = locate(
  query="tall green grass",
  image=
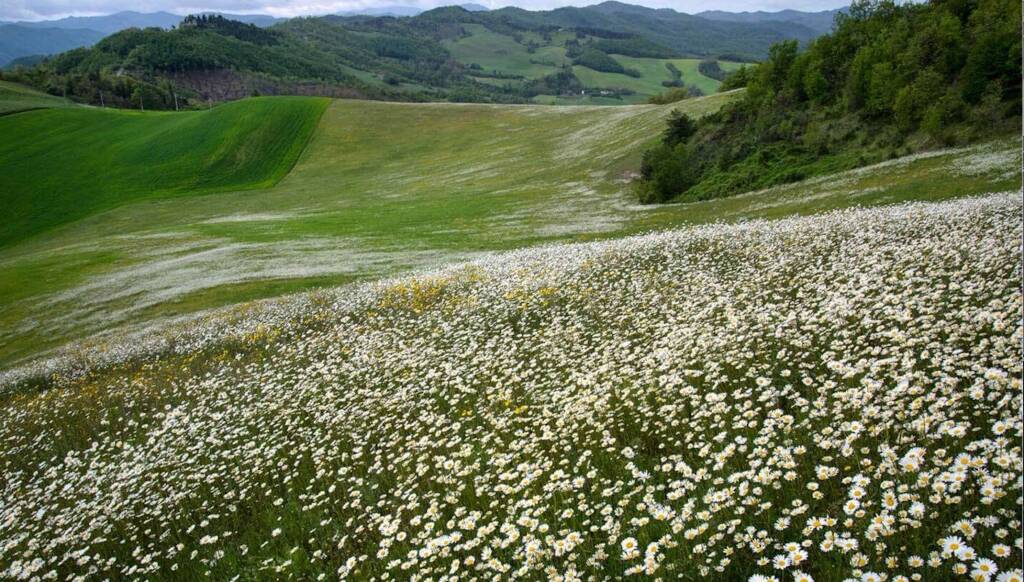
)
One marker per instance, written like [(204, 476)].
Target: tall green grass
[(14, 98), (60, 165)]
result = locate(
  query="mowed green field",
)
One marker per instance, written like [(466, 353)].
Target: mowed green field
[(64, 164), (495, 52), (381, 189), (14, 97)]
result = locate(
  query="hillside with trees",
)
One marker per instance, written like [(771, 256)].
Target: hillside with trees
[(209, 58), (213, 58), (890, 80)]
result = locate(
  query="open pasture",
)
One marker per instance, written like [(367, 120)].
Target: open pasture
[(382, 189)]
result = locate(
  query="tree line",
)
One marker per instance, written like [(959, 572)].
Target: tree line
[(890, 79)]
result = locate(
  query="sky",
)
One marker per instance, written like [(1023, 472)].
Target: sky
[(11, 10)]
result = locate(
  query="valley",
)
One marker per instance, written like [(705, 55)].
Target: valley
[(379, 189), (608, 54), (509, 62)]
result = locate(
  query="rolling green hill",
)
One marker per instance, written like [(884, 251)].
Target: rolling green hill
[(513, 60), (381, 189), (64, 164), (15, 97), (503, 56), (686, 35)]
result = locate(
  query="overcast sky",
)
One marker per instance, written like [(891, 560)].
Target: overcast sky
[(50, 9)]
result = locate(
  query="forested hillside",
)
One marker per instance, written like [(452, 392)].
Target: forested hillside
[(608, 53), (683, 34), (890, 80)]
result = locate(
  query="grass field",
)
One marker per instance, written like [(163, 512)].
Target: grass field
[(653, 72), (64, 164), (502, 53), (14, 97), (498, 52), (387, 188)]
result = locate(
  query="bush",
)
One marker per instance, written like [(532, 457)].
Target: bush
[(736, 79), (943, 114), (670, 96), (679, 128), (599, 61), (709, 68)]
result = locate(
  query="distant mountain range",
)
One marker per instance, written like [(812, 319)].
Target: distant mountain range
[(112, 23), (820, 22), (22, 41), (400, 10), (26, 41)]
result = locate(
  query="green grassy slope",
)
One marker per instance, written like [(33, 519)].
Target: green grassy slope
[(15, 97), (653, 72), (383, 188), (495, 52), (64, 164), (499, 52)]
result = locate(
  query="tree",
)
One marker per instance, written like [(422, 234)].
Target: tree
[(679, 128)]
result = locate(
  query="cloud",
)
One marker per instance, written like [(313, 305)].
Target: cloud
[(51, 9)]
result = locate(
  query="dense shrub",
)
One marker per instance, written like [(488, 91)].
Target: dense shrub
[(599, 61), (946, 71), (710, 68)]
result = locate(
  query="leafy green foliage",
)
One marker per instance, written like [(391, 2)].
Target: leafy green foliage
[(710, 68), (564, 82), (677, 76), (889, 80), (227, 27), (633, 46), (599, 61), (671, 96), (736, 79), (680, 127)]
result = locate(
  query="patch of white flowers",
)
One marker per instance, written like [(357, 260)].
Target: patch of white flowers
[(827, 398)]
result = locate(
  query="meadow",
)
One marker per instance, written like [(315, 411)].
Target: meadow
[(501, 53), (833, 397), (652, 73), (15, 97), (294, 339), (370, 197), (291, 338)]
